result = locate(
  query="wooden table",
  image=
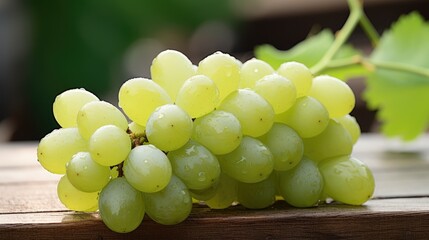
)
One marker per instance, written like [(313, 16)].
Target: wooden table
[(29, 208)]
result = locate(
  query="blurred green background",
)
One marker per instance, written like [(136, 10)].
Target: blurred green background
[(47, 47)]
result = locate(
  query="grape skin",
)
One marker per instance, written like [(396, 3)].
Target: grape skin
[(85, 174), (147, 168), (347, 180), (121, 206), (219, 131), (169, 127), (171, 205), (195, 165), (67, 104), (57, 148), (255, 114)]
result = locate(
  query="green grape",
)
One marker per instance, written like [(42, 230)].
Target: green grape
[(169, 127), (170, 69), (299, 74), (58, 147), (224, 70), (139, 97), (255, 114), (219, 131), (67, 104), (351, 125), (195, 165), (85, 174), (257, 195), (147, 168), (251, 162), (308, 117), (277, 90), (171, 205), (75, 199), (137, 129), (198, 96), (204, 194), (121, 206), (334, 94), (253, 70), (347, 180), (301, 186), (109, 145), (285, 145), (333, 141), (225, 193), (93, 115)]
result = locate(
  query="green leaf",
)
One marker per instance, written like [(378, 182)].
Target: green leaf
[(401, 97), (309, 52)]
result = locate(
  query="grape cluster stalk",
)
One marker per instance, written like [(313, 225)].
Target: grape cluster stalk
[(220, 133)]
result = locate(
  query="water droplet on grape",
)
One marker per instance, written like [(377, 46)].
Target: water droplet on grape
[(201, 176), (190, 150)]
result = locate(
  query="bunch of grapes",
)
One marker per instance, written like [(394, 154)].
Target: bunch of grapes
[(222, 133)]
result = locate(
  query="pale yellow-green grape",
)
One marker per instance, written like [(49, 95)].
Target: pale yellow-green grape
[(198, 96), (93, 115), (225, 194), (333, 141), (285, 145), (109, 145), (302, 185), (253, 70), (204, 194), (347, 180), (280, 92), (299, 74), (219, 131), (170, 69), (171, 205), (58, 147), (257, 195), (139, 97), (137, 129), (224, 70), (75, 199), (308, 117), (351, 125), (67, 105), (85, 174), (334, 94), (255, 114), (251, 162), (195, 165), (169, 127), (121, 206), (147, 168)]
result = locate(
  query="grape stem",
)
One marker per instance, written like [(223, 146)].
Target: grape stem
[(356, 16), (372, 65), (120, 170)]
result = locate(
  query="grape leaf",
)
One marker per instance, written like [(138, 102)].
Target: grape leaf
[(402, 98), (309, 52)]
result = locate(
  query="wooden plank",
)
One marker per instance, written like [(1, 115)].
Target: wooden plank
[(18, 154), (386, 219), (26, 174), (29, 197)]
